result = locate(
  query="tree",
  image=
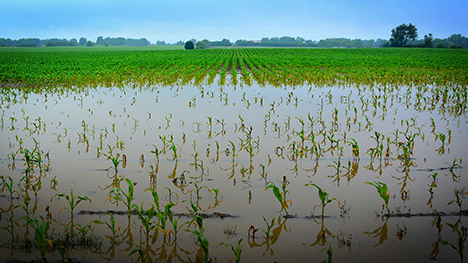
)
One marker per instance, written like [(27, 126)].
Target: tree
[(428, 40), (82, 41), (205, 43), (100, 40), (402, 33), (89, 43), (189, 45)]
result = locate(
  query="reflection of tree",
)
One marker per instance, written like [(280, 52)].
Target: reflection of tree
[(321, 235), (381, 232), (268, 242)]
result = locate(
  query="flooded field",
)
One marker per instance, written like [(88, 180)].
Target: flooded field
[(295, 174)]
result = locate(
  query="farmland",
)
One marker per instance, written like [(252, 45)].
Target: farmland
[(286, 154)]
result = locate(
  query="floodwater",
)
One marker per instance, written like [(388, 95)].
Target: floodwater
[(75, 131)]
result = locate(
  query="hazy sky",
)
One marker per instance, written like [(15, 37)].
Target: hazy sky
[(174, 20)]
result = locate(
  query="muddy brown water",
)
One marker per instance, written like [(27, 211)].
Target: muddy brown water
[(72, 126)]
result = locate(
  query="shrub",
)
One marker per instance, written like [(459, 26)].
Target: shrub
[(456, 46), (189, 45)]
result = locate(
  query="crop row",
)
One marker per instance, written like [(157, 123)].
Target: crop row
[(277, 67)]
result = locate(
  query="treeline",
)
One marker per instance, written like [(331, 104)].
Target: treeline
[(108, 41), (121, 41), (454, 41), (301, 42), (286, 41), (36, 42)]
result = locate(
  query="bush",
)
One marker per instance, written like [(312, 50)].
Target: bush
[(189, 45), (456, 46), (441, 45)]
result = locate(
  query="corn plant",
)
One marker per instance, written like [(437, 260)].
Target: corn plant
[(323, 195), (156, 152), (145, 217), (164, 216), (280, 196), (8, 186), (237, 251), (115, 160), (438, 222), (461, 241), (117, 194), (200, 233), (459, 196), (73, 201), (269, 227), (329, 253), (454, 164), (40, 233), (111, 225), (140, 251), (382, 190), (355, 146)]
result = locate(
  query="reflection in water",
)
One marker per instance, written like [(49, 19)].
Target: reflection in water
[(284, 138), (321, 235), (381, 232), (272, 239)]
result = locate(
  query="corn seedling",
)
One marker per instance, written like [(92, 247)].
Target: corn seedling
[(454, 164), (269, 227), (140, 251), (197, 190), (40, 233), (280, 196), (73, 201), (460, 247), (382, 190), (8, 185), (200, 234), (237, 251), (355, 146), (329, 253), (438, 222), (323, 195), (459, 196), (145, 217), (111, 225), (117, 194)]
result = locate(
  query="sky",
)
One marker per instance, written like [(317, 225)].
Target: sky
[(175, 20)]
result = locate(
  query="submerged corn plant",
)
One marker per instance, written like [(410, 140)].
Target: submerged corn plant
[(140, 251), (460, 247), (200, 233), (280, 196), (237, 251), (145, 217), (40, 233), (111, 225), (117, 194), (73, 201), (323, 195), (382, 190), (459, 196)]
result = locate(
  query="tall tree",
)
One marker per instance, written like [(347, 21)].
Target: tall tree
[(83, 41), (402, 33), (428, 40)]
